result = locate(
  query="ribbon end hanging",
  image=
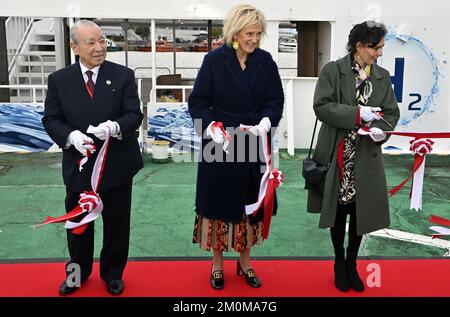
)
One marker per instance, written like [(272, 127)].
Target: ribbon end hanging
[(80, 230)]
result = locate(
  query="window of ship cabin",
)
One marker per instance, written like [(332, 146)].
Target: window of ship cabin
[(303, 47)]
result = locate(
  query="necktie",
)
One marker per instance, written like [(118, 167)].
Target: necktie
[(90, 83)]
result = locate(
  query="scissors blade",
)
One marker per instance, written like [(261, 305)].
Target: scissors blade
[(390, 125), (380, 115)]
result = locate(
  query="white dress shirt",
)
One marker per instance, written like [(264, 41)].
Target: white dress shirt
[(95, 70)]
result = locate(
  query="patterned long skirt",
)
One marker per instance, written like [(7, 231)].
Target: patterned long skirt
[(224, 236)]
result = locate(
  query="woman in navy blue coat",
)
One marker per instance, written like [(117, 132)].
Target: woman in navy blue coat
[(238, 83)]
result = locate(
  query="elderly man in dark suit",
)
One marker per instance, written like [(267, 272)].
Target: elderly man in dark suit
[(96, 92)]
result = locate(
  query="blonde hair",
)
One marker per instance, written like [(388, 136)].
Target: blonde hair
[(241, 17)]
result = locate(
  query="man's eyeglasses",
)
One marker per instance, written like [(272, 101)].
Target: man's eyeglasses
[(90, 42)]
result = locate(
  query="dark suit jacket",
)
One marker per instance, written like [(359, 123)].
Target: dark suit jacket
[(223, 92), (69, 107)]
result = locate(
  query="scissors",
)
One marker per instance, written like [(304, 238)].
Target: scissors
[(380, 114)]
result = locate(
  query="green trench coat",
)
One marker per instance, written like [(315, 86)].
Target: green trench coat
[(335, 106)]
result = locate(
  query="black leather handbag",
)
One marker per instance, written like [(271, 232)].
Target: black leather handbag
[(313, 172)]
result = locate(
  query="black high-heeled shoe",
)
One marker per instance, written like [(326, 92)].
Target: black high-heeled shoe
[(250, 276), (217, 280)]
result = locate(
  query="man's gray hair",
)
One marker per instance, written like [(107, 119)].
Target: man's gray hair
[(74, 29)]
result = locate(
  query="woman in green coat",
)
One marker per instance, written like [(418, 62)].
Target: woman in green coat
[(351, 93)]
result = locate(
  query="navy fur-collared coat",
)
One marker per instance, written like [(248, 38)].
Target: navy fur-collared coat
[(223, 92)]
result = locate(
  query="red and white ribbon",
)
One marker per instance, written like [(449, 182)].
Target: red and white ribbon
[(364, 130), (90, 202), (84, 159), (219, 125), (271, 179), (421, 135), (441, 231), (421, 145)]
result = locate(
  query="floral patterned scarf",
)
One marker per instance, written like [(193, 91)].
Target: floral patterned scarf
[(347, 189)]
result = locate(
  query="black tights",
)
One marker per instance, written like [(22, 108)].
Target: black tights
[(338, 231)]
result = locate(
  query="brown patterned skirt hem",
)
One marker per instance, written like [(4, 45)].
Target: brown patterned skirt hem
[(225, 236)]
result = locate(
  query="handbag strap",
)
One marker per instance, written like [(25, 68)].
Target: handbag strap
[(314, 132), (312, 140)]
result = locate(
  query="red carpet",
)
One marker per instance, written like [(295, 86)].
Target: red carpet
[(191, 279)]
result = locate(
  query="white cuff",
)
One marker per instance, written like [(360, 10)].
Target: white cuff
[(265, 124), (68, 144)]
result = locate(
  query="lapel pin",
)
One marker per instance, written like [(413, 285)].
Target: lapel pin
[(108, 82)]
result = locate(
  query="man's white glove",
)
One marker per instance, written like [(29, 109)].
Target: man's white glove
[(369, 114), (81, 142), (377, 134), (215, 133), (263, 127), (101, 131)]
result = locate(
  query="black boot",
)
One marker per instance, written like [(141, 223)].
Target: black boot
[(354, 280), (340, 272)]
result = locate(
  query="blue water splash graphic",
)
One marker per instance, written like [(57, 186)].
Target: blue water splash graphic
[(430, 97)]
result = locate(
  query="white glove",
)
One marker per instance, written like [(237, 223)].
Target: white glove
[(101, 131), (263, 127), (215, 133), (377, 134), (81, 142), (369, 114)]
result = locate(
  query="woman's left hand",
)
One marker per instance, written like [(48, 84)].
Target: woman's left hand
[(263, 127), (377, 135)]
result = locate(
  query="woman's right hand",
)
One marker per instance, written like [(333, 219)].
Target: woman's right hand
[(215, 132), (369, 114)]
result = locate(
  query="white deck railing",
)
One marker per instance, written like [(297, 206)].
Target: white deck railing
[(17, 29), (32, 88), (288, 130)]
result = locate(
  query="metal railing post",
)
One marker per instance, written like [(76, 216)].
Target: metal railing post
[(290, 117)]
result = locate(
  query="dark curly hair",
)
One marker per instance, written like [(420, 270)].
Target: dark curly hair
[(369, 33)]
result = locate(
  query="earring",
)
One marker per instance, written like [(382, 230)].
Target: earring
[(235, 45)]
